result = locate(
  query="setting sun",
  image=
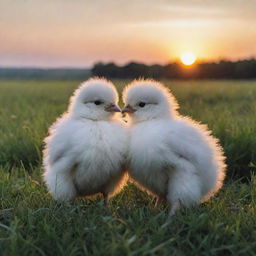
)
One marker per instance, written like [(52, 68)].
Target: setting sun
[(188, 58)]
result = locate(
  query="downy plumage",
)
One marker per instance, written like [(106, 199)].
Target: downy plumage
[(170, 156), (86, 147)]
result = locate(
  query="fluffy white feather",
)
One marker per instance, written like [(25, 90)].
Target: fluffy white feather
[(171, 156), (86, 147)]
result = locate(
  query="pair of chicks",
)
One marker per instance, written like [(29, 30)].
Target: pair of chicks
[(90, 148)]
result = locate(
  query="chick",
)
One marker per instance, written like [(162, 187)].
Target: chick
[(86, 148), (170, 156)]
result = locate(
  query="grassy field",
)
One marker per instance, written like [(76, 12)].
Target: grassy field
[(31, 223)]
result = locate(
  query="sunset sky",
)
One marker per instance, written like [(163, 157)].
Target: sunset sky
[(78, 33)]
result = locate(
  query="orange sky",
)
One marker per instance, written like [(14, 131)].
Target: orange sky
[(66, 33)]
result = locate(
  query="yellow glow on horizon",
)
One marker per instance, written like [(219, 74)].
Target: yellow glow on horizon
[(188, 58)]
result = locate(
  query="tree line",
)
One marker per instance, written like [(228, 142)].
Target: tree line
[(243, 69)]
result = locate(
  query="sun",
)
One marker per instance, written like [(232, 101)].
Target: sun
[(188, 58)]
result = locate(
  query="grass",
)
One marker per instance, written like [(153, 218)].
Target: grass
[(31, 223)]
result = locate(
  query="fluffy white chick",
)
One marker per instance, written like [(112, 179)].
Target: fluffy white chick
[(170, 156), (86, 148)]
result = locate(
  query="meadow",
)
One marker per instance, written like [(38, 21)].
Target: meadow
[(31, 223)]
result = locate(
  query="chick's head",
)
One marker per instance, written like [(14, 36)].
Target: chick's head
[(95, 99), (148, 99)]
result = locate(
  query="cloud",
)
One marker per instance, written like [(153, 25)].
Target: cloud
[(82, 31)]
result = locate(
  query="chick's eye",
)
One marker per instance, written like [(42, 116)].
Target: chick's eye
[(97, 102), (142, 104)]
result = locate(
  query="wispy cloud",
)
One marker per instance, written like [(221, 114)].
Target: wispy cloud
[(84, 31), (178, 23)]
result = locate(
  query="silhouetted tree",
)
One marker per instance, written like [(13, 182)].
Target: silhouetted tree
[(245, 69)]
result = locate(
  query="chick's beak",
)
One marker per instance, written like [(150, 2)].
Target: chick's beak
[(112, 108), (128, 109)]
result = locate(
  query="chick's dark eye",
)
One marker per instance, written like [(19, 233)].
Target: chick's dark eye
[(142, 104), (97, 102)]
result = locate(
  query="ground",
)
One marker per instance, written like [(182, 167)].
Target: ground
[(31, 223)]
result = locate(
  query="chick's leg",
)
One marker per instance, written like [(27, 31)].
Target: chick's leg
[(106, 199), (114, 186), (174, 208), (158, 201), (184, 188)]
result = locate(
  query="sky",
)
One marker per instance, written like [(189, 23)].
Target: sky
[(79, 33)]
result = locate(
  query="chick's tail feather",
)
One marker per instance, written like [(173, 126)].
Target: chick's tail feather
[(59, 182)]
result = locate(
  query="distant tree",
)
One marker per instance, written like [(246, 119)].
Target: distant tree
[(106, 70), (243, 69)]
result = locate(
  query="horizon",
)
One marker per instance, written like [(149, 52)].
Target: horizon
[(177, 61), (57, 34)]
